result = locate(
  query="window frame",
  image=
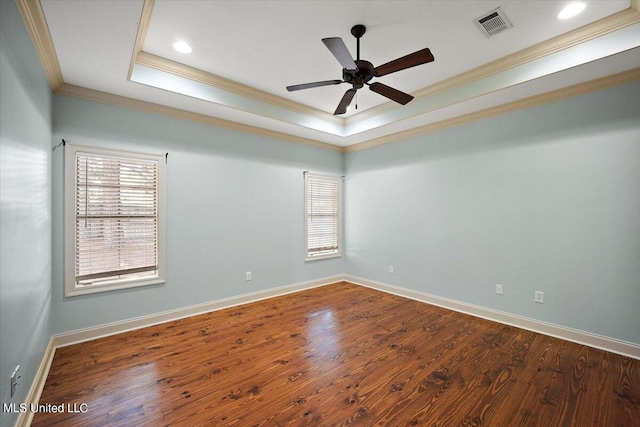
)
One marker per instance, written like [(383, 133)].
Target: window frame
[(72, 288), (308, 177)]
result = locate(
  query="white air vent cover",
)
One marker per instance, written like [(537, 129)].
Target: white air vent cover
[(493, 22)]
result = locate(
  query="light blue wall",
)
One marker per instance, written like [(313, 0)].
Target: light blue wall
[(543, 199), (235, 204), (25, 207)]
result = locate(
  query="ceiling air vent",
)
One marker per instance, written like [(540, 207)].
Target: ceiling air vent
[(493, 22)]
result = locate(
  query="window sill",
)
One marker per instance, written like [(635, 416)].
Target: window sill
[(314, 258), (106, 287)]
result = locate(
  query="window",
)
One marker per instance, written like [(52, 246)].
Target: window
[(114, 219), (322, 216)]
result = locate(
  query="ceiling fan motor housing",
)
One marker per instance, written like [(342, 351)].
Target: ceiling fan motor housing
[(358, 78)]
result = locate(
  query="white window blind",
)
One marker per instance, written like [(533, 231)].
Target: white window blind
[(322, 216), (116, 210)]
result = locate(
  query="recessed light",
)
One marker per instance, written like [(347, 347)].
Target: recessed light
[(182, 47), (571, 10)]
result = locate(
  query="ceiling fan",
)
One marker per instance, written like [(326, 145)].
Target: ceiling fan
[(359, 72)]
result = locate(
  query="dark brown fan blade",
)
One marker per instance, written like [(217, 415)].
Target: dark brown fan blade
[(416, 58), (340, 51), (391, 93), (314, 84), (345, 101)]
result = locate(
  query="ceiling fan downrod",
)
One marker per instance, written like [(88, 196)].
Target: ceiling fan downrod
[(358, 31)]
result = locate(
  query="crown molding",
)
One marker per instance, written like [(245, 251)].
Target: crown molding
[(521, 104), (195, 74), (583, 34), (192, 73), (533, 101), (36, 23), (136, 104), (143, 27)]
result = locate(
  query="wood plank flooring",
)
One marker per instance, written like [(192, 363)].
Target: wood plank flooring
[(339, 355)]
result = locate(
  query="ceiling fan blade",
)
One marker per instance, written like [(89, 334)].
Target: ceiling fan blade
[(391, 93), (416, 58), (345, 101), (340, 51), (314, 84)]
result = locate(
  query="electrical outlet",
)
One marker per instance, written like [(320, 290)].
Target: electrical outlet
[(14, 380), (499, 289), (539, 297), (391, 269), (248, 275)]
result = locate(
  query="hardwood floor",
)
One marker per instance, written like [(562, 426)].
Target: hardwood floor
[(338, 355)]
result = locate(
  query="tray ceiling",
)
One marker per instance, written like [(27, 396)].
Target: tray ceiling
[(246, 52)]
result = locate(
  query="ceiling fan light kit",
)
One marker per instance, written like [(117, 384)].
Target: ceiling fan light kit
[(359, 72)]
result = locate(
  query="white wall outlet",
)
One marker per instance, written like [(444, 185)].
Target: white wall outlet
[(15, 377), (248, 275), (539, 297), (391, 269), (499, 289)]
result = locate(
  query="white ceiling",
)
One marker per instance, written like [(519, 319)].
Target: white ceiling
[(266, 45)]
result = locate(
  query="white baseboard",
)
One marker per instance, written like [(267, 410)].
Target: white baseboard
[(87, 334), (580, 337), (25, 418)]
